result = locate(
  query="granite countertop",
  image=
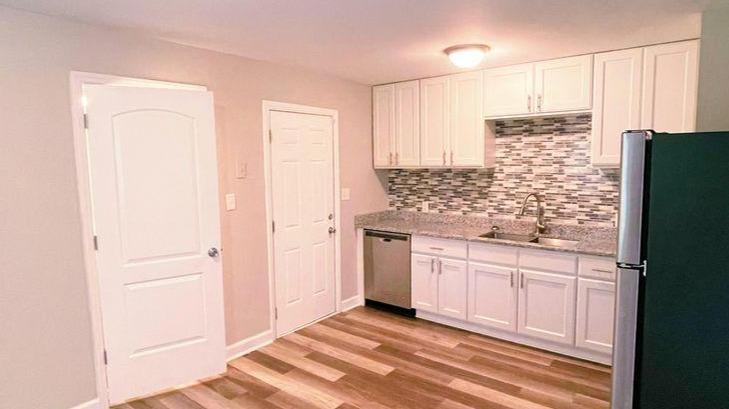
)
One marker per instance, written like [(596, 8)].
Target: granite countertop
[(593, 240)]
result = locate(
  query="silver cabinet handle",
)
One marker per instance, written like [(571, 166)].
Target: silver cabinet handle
[(436, 248), (529, 103), (389, 161), (213, 252), (440, 267), (451, 157), (444, 161), (599, 270), (522, 280), (539, 102), (511, 278), (432, 265), (397, 158)]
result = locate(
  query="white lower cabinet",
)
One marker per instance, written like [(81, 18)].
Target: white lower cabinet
[(452, 288), (595, 314), (547, 306), (492, 295), (424, 282)]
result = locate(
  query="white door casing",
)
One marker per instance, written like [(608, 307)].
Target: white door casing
[(302, 195), (154, 184), (492, 295)]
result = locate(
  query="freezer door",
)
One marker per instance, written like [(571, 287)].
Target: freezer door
[(632, 185), (626, 323)]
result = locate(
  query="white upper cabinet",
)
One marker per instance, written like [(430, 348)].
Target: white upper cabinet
[(564, 84), (670, 81), (466, 144), (616, 108), (434, 127), (407, 124), (508, 90), (383, 125), (396, 125)]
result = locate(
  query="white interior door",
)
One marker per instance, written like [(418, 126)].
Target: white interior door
[(303, 213), (154, 189)]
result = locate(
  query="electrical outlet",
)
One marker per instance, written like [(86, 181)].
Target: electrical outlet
[(230, 201), (425, 207), (345, 193)]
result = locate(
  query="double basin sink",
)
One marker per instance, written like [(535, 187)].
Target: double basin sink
[(529, 238)]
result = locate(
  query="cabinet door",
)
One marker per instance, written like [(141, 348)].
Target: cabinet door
[(508, 90), (383, 125), (564, 84), (595, 315), (424, 283), (547, 306), (669, 87), (407, 124), (434, 114), (492, 296), (466, 120), (616, 102), (452, 288)]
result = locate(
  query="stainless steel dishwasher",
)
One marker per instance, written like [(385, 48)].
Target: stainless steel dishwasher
[(387, 271)]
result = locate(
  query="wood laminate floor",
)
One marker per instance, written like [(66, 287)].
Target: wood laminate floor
[(365, 358)]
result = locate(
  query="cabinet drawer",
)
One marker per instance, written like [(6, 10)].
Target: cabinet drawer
[(548, 261), (440, 247), (602, 268), (493, 254)]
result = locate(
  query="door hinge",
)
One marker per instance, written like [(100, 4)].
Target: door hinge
[(275, 312), (106, 360), (86, 121), (96, 242), (273, 226), (270, 136)]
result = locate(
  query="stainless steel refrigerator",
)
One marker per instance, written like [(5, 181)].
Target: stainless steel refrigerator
[(671, 346)]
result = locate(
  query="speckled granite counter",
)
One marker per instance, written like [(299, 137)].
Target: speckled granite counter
[(599, 241)]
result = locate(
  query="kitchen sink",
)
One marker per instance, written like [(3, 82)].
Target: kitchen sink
[(567, 244), (530, 238), (508, 236)]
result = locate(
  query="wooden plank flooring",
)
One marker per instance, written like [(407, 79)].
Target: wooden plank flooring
[(369, 359)]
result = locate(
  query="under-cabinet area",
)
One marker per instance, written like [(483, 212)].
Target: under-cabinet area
[(548, 299)]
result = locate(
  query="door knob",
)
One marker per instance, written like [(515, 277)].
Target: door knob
[(213, 252), (332, 230)]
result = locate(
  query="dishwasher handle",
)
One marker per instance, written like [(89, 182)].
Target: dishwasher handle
[(386, 235)]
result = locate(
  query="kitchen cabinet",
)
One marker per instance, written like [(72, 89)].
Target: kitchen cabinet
[(396, 125), (383, 125), (547, 306), (508, 90), (452, 288), (563, 84), (552, 86), (492, 295), (466, 133), (424, 282), (595, 315), (670, 81), (452, 127), (617, 95)]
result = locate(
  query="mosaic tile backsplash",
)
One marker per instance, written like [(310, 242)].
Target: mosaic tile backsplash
[(549, 155)]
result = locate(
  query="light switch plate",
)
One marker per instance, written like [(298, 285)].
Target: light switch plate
[(345, 193), (230, 201)]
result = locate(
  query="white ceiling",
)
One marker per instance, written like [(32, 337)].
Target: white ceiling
[(378, 41)]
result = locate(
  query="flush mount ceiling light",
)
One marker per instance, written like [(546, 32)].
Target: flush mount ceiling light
[(466, 55)]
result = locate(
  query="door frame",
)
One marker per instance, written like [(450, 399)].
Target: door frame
[(267, 108), (77, 79)]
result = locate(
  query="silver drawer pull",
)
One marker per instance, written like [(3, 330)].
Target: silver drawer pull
[(598, 270), (437, 248)]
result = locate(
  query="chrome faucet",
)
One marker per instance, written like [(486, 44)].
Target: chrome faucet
[(540, 222)]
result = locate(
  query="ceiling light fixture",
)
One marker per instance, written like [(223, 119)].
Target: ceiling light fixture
[(466, 55)]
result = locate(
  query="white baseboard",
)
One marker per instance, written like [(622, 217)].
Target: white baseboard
[(351, 302), (92, 404), (249, 344)]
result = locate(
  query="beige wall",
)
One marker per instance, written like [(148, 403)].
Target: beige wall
[(713, 100), (45, 330)]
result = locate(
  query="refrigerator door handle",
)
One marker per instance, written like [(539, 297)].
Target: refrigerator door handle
[(632, 177)]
